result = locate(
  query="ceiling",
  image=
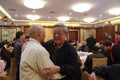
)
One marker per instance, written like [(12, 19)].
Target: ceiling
[(55, 8)]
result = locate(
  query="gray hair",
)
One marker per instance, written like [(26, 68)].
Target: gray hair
[(33, 28), (63, 26)]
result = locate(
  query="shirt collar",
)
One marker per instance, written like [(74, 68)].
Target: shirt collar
[(34, 40)]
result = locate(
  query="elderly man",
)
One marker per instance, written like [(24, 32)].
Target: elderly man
[(35, 58), (63, 54), (83, 47)]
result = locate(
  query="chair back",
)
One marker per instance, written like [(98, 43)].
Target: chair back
[(5, 78), (99, 62), (13, 69)]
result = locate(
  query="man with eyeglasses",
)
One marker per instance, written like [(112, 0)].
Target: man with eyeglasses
[(63, 54)]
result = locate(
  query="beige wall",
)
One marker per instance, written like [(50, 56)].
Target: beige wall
[(0, 34), (86, 32), (49, 34)]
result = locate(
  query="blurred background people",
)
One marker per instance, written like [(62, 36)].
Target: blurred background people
[(91, 41), (108, 51), (116, 48), (83, 47), (20, 36)]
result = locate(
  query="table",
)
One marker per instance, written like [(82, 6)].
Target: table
[(83, 57)]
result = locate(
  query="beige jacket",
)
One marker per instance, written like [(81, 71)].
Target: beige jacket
[(34, 59)]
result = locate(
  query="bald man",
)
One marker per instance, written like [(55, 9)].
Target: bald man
[(35, 58)]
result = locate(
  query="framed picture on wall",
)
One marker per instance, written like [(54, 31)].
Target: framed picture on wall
[(8, 33), (73, 35)]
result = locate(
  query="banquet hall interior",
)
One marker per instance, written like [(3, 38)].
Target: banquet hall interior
[(99, 18)]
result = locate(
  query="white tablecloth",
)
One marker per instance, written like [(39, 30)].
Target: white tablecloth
[(2, 65), (83, 56)]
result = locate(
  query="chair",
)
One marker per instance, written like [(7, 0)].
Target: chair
[(86, 76), (99, 62), (5, 78), (12, 73)]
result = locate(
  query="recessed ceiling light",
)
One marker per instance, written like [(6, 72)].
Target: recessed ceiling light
[(16, 15), (34, 4), (49, 17), (33, 17), (114, 11), (70, 13), (33, 11), (89, 20), (63, 18), (83, 7), (76, 19), (100, 15)]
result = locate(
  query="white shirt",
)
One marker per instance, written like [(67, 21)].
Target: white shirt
[(34, 59)]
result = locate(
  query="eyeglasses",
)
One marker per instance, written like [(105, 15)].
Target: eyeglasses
[(59, 33)]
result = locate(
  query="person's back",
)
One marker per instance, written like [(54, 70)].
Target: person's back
[(88, 63), (28, 63), (116, 53), (116, 48), (91, 41), (5, 55)]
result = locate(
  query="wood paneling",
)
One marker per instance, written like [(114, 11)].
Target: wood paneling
[(74, 34), (103, 32)]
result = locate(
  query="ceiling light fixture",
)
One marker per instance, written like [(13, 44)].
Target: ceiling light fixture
[(63, 18), (16, 15), (33, 11), (89, 20), (49, 17), (33, 17), (83, 7), (114, 11), (34, 4)]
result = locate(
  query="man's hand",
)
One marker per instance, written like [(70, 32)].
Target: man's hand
[(93, 76), (50, 71)]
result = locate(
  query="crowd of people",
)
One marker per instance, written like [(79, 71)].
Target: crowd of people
[(57, 59)]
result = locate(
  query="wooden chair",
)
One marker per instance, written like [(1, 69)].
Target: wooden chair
[(5, 78), (99, 62), (12, 73)]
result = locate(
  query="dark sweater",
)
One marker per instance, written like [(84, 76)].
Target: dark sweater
[(66, 57), (111, 72)]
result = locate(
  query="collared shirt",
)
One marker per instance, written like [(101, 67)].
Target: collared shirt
[(17, 50), (33, 60)]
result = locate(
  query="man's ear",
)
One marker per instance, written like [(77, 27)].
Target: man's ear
[(38, 33)]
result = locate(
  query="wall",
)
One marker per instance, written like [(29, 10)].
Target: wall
[(83, 33), (86, 32), (49, 34), (102, 33)]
